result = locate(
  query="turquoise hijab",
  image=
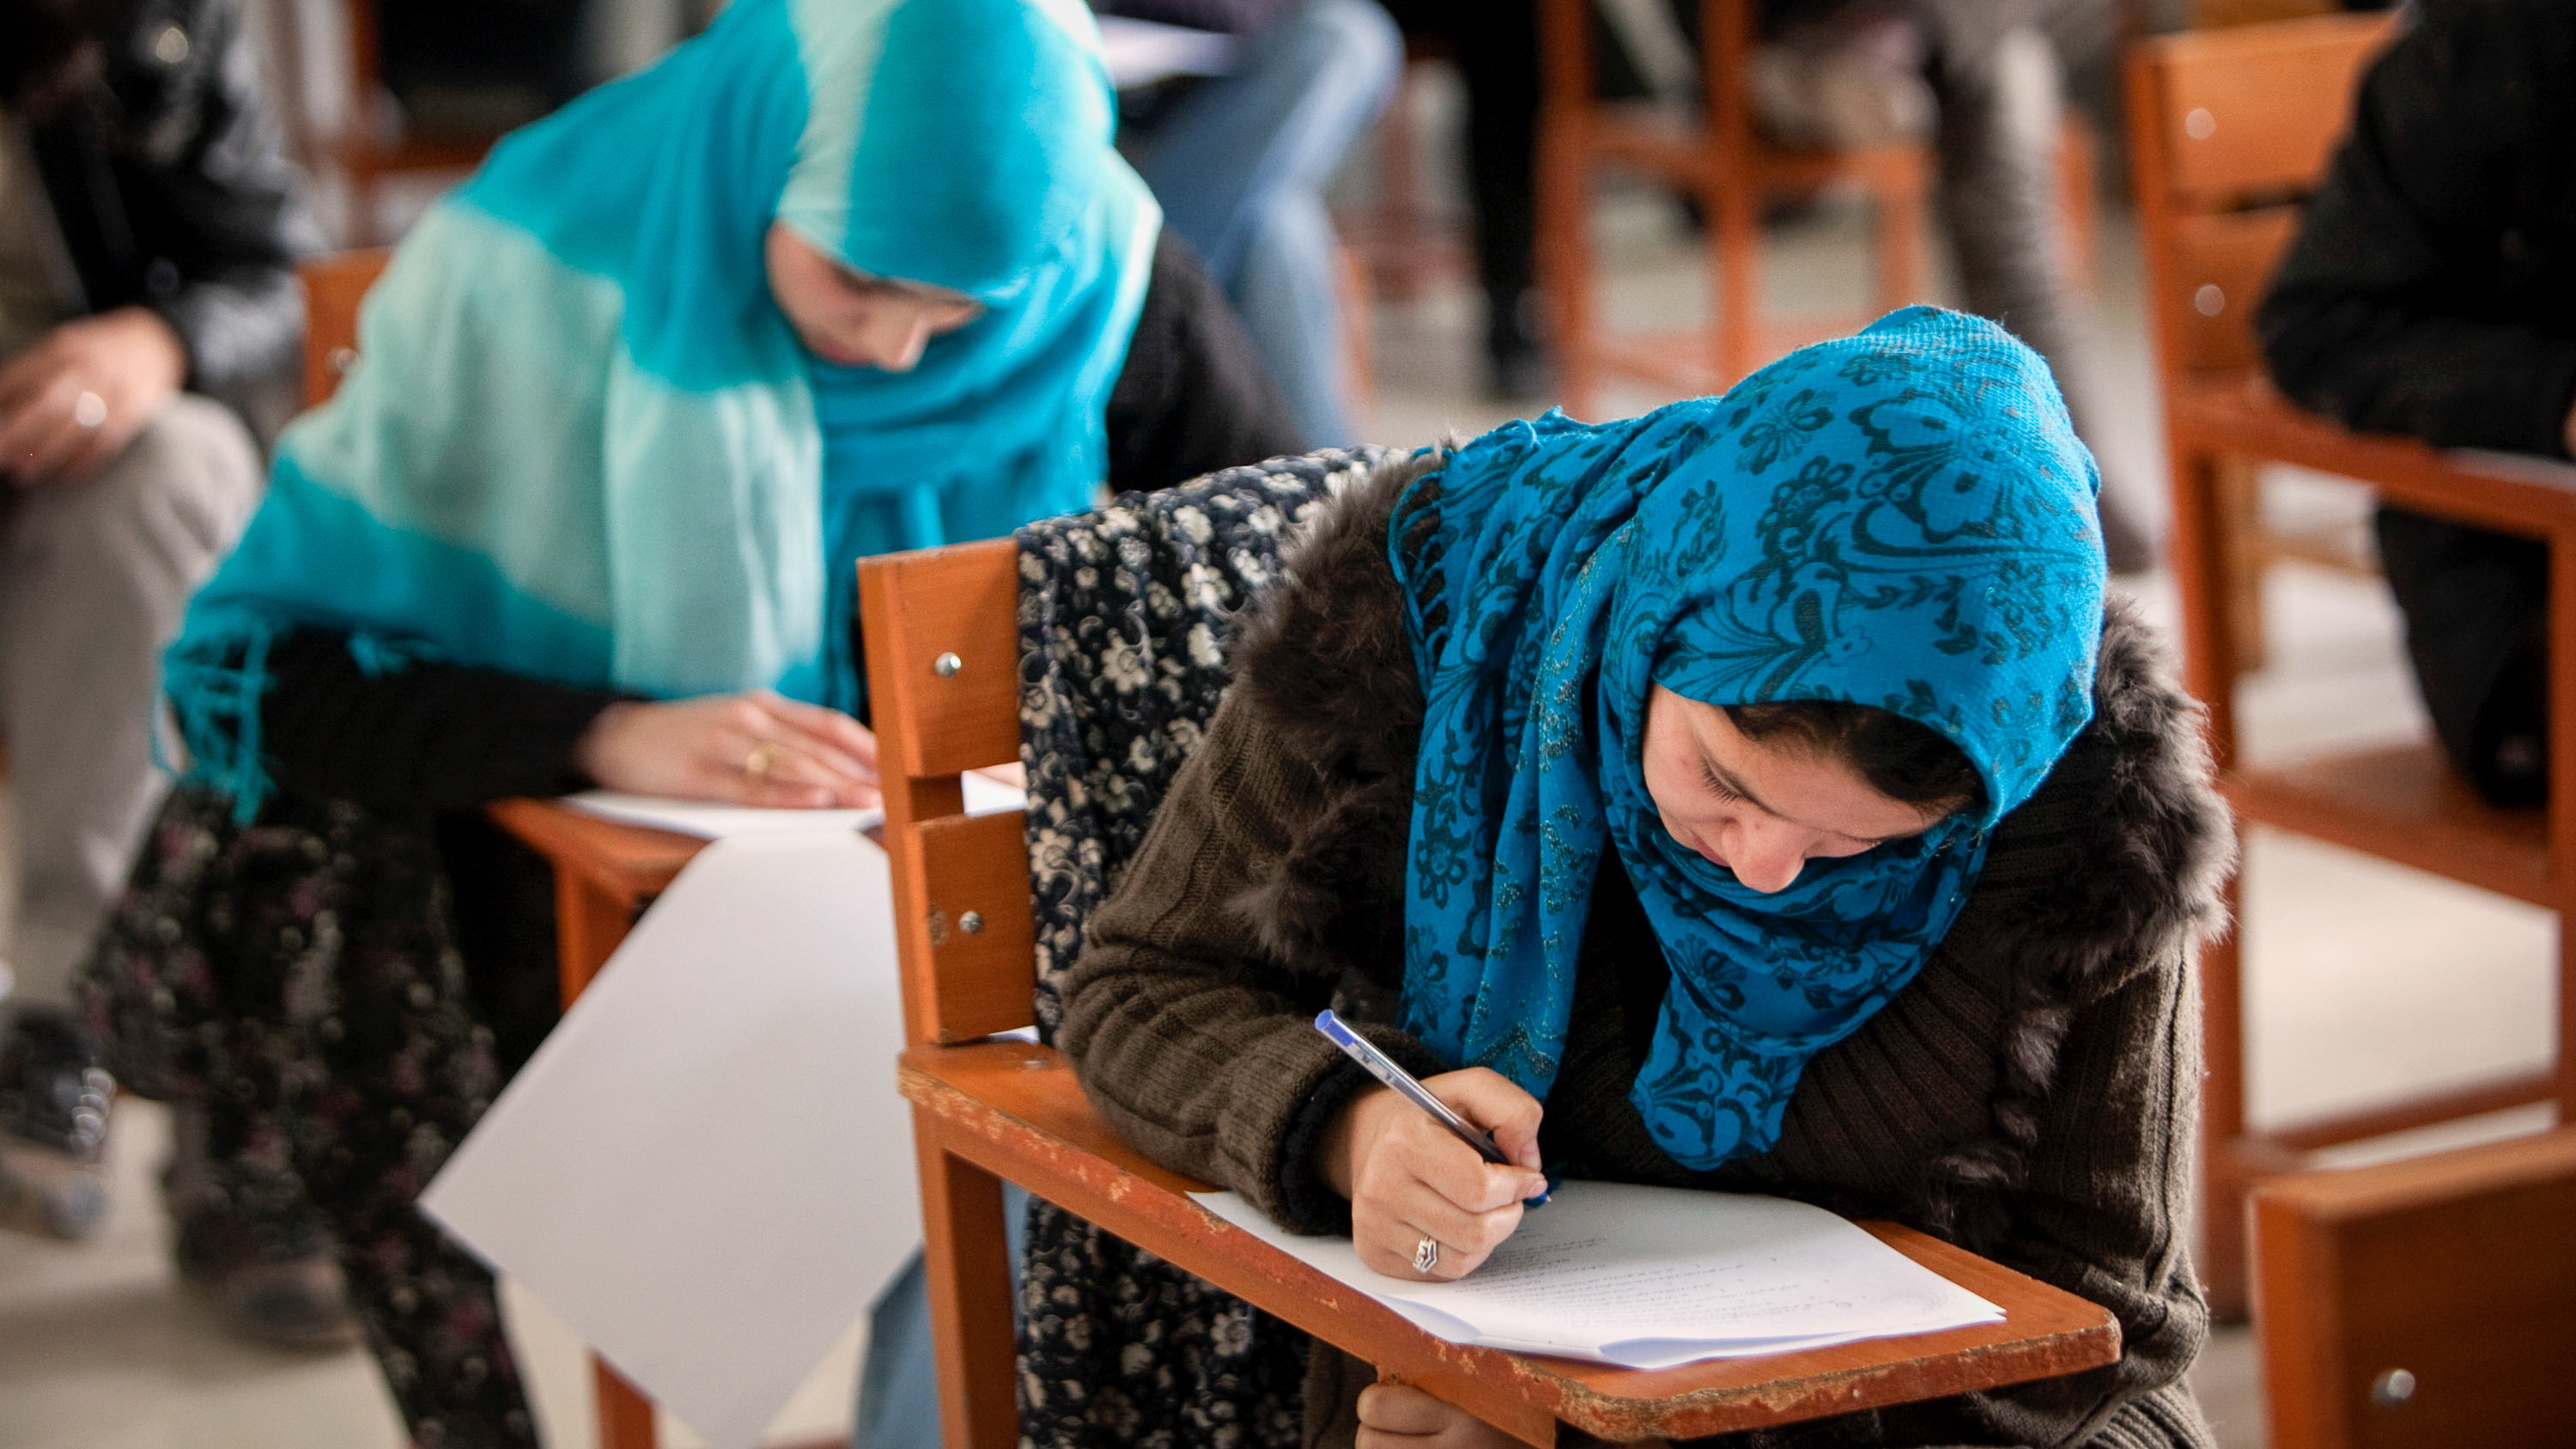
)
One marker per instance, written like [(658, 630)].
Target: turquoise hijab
[(1903, 518), (584, 444)]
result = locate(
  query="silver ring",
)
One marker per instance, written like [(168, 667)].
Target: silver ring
[(89, 410), (1426, 1255)]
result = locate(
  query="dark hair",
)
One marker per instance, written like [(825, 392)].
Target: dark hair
[(1909, 763), (41, 40)]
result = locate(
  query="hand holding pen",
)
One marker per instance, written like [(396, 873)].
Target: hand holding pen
[(1431, 1200)]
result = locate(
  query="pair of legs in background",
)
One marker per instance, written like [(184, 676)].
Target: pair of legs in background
[(93, 575), (1240, 162), (1998, 69)]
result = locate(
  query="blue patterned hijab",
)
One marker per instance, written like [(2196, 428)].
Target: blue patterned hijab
[(583, 444), (1903, 518)]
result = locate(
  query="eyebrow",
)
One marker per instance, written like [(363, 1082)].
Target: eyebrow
[(1735, 782)]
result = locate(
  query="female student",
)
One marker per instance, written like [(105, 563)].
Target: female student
[(1758, 795), (840, 276)]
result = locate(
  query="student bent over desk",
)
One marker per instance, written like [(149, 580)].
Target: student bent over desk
[(1757, 795)]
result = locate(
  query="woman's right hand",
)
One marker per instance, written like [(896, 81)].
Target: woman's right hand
[(754, 748), (1409, 1179)]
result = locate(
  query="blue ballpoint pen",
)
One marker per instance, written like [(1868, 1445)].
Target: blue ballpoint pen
[(1406, 1085)]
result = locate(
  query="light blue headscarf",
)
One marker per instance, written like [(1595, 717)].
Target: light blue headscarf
[(585, 445), (1902, 518)]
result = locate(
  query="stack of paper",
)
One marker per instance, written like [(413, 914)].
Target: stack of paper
[(1649, 1277)]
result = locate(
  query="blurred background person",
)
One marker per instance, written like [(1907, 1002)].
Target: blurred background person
[(1990, 74), (827, 281), (149, 223), (1240, 161), (2432, 292)]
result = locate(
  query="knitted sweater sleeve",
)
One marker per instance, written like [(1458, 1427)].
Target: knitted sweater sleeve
[(1190, 1031), (2104, 1213)]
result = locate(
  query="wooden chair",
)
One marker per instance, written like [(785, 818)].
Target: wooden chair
[(606, 873), (2421, 1304), (943, 670), (2229, 128), (1727, 163)]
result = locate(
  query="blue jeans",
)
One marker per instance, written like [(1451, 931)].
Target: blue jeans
[(1240, 163)]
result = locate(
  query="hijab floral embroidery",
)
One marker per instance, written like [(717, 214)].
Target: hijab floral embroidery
[(1902, 518)]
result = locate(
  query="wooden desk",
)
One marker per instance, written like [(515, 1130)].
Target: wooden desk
[(606, 873), (1013, 1107)]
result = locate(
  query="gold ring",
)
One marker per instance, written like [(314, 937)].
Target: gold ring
[(755, 765), (1426, 1255)]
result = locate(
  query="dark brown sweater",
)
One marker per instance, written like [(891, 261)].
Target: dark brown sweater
[(2030, 1095)]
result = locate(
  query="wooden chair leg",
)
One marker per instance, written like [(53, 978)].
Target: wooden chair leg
[(1351, 296), (1898, 223), (1565, 267), (1399, 226), (1564, 242), (625, 1415), (967, 1262), (1735, 292), (2078, 200), (2223, 1182), (2240, 508)]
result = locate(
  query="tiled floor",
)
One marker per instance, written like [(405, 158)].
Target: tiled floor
[(2367, 980)]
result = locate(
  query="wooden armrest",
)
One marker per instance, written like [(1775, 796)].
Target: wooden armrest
[(606, 871), (1016, 1110), (2242, 413), (635, 862)]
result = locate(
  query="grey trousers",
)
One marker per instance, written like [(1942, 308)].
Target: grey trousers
[(93, 576)]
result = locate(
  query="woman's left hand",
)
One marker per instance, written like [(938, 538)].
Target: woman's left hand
[(1400, 1416), (753, 748), (76, 398)]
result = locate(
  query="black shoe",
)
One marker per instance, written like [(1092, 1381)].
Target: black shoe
[(267, 1269), (54, 1099)]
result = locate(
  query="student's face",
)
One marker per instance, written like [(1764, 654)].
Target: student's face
[(1760, 809), (858, 321)]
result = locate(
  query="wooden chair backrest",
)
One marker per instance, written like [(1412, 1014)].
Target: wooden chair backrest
[(334, 285), (2230, 130), (2456, 1271), (943, 673)]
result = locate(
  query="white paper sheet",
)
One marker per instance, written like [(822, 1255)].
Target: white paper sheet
[(725, 822), (706, 1170), (1649, 1277), (1141, 52)]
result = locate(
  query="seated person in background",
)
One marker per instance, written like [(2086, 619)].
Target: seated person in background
[(2432, 292), (1759, 795), (1996, 72), (148, 227), (632, 401), (1240, 162)]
